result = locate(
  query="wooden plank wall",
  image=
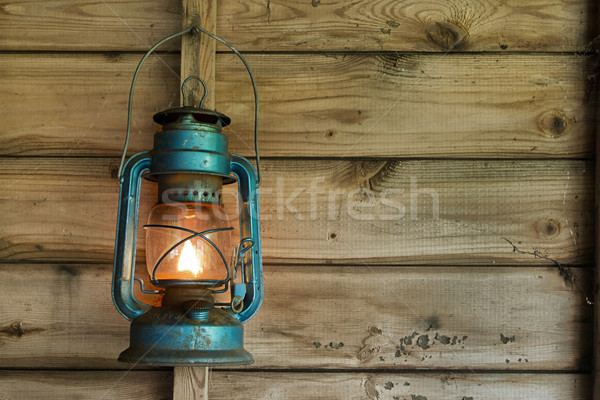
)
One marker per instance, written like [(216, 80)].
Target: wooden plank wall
[(428, 195)]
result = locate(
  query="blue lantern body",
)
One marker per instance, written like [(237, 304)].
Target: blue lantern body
[(190, 162)]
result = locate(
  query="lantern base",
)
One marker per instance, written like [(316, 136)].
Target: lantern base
[(165, 336)]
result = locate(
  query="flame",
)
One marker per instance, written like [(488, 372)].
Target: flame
[(188, 260)]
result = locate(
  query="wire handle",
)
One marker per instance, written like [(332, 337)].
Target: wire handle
[(189, 78), (196, 30), (129, 106)]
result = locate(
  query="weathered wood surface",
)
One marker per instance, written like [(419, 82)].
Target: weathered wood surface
[(198, 52), (307, 25), (82, 385), (314, 211), (415, 386), (475, 106), (191, 383), (86, 385), (328, 317)]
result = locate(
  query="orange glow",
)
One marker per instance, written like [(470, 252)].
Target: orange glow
[(195, 258), (188, 260)]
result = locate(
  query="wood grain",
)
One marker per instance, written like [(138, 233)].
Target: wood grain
[(411, 386), (86, 385), (329, 317), (83, 385), (307, 25), (198, 51), (314, 211), (333, 105), (190, 383)]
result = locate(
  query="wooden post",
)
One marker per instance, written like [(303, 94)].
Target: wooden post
[(198, 52), (197, 59), (190, 383)]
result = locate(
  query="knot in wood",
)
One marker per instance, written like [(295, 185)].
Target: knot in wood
[(553, 123), (548, 228), (447, 35)]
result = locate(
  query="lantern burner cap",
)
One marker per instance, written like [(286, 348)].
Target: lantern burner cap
[(201, 115)]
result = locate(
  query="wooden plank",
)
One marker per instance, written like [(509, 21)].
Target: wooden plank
[(409, 386), (523, 106), (314, 211), (329, 317), (81, 385), (292, 25)]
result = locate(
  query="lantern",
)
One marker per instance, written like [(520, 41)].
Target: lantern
[(208, 279)]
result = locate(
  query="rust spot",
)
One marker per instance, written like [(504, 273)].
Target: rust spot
[(447, 35), (17, 329), (548, 228), (553, 123)]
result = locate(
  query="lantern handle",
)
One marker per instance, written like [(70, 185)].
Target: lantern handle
[(125, 238), (130, 102), (194, 30), (198, 29)]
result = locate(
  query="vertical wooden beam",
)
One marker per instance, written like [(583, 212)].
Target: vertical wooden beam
[(190, 383), (198, 54)]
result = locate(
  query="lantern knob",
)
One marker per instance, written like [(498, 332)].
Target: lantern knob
[(198, 310)]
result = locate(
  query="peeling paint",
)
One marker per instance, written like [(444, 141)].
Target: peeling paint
[(506, 339), (423, 342)]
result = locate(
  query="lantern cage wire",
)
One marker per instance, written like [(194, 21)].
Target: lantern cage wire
[(214, 285)]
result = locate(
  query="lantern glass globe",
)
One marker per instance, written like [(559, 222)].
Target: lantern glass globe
[(196, 258)]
